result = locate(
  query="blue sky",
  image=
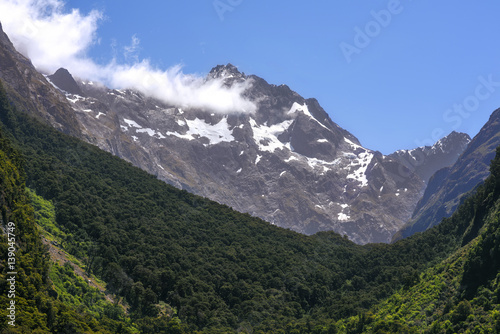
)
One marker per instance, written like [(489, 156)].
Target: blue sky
[(396, 74)]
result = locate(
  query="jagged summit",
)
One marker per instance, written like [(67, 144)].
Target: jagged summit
[(287, 162), (426, 160), (65, 81), (447, 188), (447, 143), (29, 89), (225, 72)]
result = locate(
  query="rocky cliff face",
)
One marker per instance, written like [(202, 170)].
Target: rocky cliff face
[(449, 186), (29, 90), (425, 161), (287, 162)]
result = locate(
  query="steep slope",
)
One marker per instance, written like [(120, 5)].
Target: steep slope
[(161, 248), (30, 300), (221, 270), (461, 294), (288, 163), (425, 161), (29, 90), (448, 186)]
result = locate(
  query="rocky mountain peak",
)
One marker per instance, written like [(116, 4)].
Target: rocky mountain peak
[(225, 72), (426, 160), (448, 143), (449, 186), (287, 163), (65, 81), (29, 89)]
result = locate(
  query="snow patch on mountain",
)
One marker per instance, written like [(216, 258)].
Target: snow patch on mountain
[(360, 165), (216, 133), (297, 107), (266, 137), (132, 124), (149, 131)]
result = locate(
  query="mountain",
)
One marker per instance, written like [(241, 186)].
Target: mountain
[(38, 295), (425, 161), (64, 80), (182, 263), (449, 186), (461, 293), (28, 89), (287, 163)]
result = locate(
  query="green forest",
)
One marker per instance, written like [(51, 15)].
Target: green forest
[(178, 263)]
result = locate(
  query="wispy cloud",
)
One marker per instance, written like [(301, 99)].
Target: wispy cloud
[(130, 51), (53, 36)]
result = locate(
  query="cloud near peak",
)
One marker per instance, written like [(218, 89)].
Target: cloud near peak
[(53, 37)]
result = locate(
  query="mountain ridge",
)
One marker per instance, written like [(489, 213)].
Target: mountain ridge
[(451, 185), (153, 243), (290, 137), (287, 163)]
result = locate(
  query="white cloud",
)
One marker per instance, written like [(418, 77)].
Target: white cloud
[(53, 37), (130, 51)]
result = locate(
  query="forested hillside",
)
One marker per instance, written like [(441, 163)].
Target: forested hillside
[(175, 257), (460, 294), (31, 302)]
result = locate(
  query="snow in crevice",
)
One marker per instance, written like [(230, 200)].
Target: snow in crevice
[(266, 137), (353, 145), (343, 217), (358, 167), (75, 98), (178, 135), (305, 110), (297, 107), (149, 131), (314, 162), (139, 129), (358, 163), (117, 95), (132, 124)]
